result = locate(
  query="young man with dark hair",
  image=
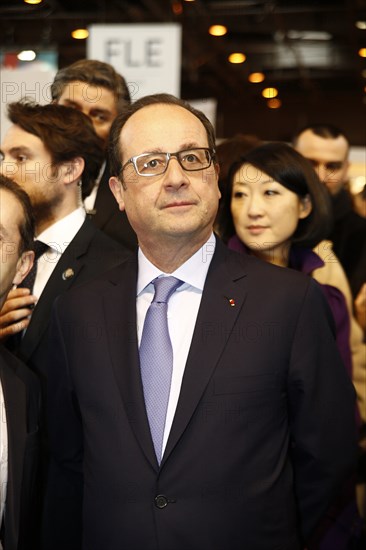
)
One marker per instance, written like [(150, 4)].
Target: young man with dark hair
[(52, 151)]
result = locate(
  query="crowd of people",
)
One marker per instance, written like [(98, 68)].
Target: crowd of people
[(182, 329)]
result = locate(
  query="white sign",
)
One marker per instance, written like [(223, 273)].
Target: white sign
[(16, 84), (208, 106), (148, 56)]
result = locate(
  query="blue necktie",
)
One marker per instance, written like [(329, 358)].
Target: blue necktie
[(156, 359)]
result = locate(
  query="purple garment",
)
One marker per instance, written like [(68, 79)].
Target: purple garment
[(305, 260)]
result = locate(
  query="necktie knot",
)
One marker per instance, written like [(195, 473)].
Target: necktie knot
[(164, 288), (39, 249)]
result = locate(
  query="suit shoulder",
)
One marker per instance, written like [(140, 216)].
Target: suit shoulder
[(112, 274), (98, 238), (266, 273), (97, 251)]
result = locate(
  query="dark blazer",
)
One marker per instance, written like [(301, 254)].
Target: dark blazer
[(107, 216), (22, 404), (89, 254), (262, 435)]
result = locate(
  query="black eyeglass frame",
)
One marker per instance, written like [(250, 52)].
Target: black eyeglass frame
[(132, 160)]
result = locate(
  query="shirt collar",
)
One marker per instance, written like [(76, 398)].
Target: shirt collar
[(193, 272), (60, 234)]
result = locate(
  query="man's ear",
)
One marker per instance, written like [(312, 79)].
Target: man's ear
[(73, 170), (24, 265), (117, 189), (305, 207)]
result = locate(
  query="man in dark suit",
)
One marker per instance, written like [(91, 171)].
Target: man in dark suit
[(257, 429), (19, 389), (97, 90)]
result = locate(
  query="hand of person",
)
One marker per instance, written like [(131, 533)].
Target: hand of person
[(15, 313), (360, 307)]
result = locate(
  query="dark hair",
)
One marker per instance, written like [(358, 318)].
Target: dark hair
[(66, 134), (286, 166), (27, 225), (155, 99), (95, 73), (326, 131), (230, 150)]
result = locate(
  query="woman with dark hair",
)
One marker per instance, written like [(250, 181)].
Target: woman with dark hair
[(276, 208)]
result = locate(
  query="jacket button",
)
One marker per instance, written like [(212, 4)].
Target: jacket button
[(161, 501)]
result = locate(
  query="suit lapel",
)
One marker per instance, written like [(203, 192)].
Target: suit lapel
[(62, 278), (120, 310), (222, 300)]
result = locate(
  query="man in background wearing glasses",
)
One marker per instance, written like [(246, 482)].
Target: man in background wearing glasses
[(219, 429)]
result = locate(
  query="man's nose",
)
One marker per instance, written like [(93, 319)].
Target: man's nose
[(175, 174), (323, 172)]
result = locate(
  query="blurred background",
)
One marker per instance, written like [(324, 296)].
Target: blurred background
[(296, 61)]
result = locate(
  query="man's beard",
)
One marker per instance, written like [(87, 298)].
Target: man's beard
[(44, 209)]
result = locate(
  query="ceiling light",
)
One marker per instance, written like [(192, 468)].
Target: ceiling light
[(361, 25), (217, 30), (26, 55), (237, 58), (256, 77), (33, 1), (269, 93), (362, 52), (177, 8), (274, 103), (80, 34)]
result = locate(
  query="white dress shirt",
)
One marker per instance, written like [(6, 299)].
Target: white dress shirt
[(58, 236), (183, 308), (3, 456)]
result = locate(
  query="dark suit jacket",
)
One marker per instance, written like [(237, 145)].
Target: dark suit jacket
[(22, 404), (107, 216), (262, 435), (88, 255)]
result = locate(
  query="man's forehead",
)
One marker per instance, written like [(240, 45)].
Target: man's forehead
[(162, 126), (16, 136), (319, 148), (93, 93)]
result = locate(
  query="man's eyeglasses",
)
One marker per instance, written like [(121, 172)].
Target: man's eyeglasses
[(155, 164)]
